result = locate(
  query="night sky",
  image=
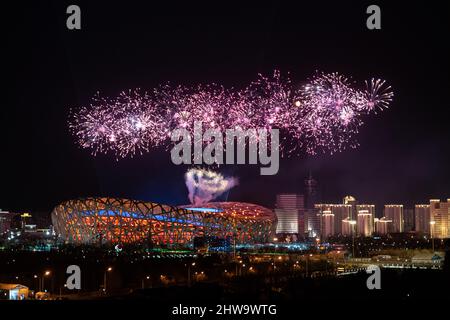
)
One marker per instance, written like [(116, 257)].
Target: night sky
[(404, 155)]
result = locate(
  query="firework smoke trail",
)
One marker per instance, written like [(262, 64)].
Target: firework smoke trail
[(206, 185), (323, 115)]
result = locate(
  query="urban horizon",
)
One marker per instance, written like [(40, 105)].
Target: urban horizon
[(225, 160)]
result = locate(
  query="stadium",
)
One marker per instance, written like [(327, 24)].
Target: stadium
[(117, 221)]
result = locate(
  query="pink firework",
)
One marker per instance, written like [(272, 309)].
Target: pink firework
[(330, 111), (377, 94), (324, 115), (126, 125)]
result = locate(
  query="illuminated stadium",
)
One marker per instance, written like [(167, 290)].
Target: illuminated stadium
[(112, 220)]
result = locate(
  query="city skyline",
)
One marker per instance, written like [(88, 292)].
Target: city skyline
[(225, 160), (351, 217)]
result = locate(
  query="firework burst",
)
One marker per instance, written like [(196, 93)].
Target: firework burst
[(323, 115), (378, 95)]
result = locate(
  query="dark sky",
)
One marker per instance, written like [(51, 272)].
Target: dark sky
[(405, 151)]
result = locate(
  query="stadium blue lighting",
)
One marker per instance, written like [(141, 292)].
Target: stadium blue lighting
[(205, 209), (111, 213)]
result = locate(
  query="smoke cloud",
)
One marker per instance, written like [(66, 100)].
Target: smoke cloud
[(205, 185)]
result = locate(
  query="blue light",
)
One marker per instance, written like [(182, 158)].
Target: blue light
[(205, 209), (158, 217)]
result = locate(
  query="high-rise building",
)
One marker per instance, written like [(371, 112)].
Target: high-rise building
[(350, 200), (311, 215), (382, 225), (326, 224), (348, 227), (394, 212), (290, 214), (440, 219), (287, 221), (320, 209), (312, 222), (340, 211), (369, 207), (408, 218), (365, 223), (6, 221), (364, 219), (311, 192), (422, 218)]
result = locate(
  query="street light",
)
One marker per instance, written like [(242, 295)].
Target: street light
[(432, 223), (189, 273), (46, 274), (353, 223), (60, 290), (143, 281), (109, 269)]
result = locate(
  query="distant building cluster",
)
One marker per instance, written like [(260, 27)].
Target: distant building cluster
[(353, 218), (17, 227)]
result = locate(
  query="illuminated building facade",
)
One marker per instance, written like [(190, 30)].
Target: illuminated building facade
[(348, 227), (6, 221), (287, 221), (394, 212), (340, 212), (440, 218), (351, 201), (112, 220), (290, 214), (365, 223), (327, 224), (422, 218), (370, 208), (365, 214), (408, 218), (382, 225), (347, 218), (312, 222)]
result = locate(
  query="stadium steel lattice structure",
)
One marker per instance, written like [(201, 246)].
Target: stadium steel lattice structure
[(112, 220)]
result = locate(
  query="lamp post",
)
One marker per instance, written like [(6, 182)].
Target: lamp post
[(109, 269), (46, 274), (432, 223), (240, 268), (60, 290), (143, 281), (234, 235), (335, 264), (307, 263), (38, 281), (353, 223), (189, 272)]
